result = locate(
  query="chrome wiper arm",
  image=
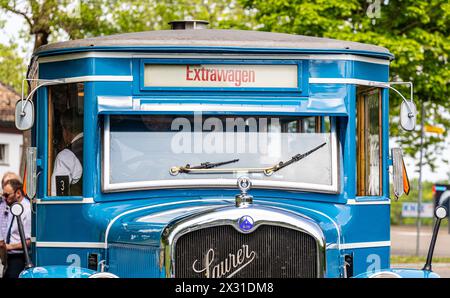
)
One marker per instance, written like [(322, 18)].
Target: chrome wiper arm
[(204, 165), (294, 159)]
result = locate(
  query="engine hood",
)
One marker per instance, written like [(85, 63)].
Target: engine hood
[(145, 225)]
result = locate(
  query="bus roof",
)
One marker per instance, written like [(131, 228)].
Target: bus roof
[(214, 40)]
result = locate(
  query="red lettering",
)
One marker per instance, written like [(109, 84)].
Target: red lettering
[(197, 74), (236, 76), (203, 75), (188, 73), (214, 75), (251, 76), (245, 76), (220, 75)]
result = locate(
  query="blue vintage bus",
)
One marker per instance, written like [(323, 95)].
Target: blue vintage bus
[(211, 153)]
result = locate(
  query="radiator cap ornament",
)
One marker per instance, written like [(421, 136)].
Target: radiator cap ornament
[(244, 199)]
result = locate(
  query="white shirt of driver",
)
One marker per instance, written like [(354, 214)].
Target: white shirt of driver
[(67, 164)]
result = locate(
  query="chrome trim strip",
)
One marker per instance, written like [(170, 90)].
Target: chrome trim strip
[(114, 102), (53, 244), (62, 202), (106, 159), (365, 244), (128, 55), (107, 186), (217, 107), (347, 81), (355, 202), (230, 216)]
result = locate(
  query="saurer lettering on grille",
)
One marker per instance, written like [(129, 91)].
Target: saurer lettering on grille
[(236, 76), (225, 268)]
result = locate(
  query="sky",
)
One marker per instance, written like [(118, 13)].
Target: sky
[(11, 32)]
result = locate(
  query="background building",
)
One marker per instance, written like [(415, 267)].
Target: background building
[(11, 139)]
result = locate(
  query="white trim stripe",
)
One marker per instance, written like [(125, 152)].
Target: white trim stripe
[(347, 57), (103, 245), (365, 244), (348, 81), (354, 202), (70, 244), (98, 79), (61, 202)]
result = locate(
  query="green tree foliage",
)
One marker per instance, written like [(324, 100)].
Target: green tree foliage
[(415, 31), (142, 15), (48, 19), (52, 20), (12, 67)]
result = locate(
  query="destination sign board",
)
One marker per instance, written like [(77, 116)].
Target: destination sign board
[(221, 75)]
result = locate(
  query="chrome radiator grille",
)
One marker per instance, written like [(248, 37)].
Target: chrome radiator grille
[(270, 251)]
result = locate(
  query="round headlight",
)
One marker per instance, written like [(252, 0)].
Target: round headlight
[(103, 275), (385, 274)]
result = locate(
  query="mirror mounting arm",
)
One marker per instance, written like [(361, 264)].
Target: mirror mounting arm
[(407, 116), (45, 82)]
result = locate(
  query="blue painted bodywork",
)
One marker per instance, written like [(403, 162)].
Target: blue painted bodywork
[(125, 228)]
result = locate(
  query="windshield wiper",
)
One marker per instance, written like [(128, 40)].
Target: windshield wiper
[(204, 165), (207, 167), (294, 159)]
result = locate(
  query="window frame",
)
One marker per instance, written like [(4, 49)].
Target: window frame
[(49, 135), (362, 133), (108, 187)]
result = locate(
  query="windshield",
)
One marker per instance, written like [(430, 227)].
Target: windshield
[(186, 150)]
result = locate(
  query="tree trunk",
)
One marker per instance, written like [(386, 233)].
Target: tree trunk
[(41, 38)]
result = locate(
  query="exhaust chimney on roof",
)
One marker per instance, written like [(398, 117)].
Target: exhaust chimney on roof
[(188, 24)]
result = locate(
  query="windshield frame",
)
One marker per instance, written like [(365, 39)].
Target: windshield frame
[(108, 187)]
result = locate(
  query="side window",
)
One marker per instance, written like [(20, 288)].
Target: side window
[(369, 170), (65, 140)]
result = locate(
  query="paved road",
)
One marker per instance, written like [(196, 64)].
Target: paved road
[(403, 243)]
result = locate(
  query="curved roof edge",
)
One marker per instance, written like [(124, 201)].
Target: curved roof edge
[(209, 40)]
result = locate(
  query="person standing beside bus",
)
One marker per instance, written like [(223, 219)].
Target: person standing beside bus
[(12, 193), (4, 211), (68, 167)]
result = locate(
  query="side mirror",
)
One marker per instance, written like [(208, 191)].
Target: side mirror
[(24, 114), (440, 212), (400, 176), (31, 171), (408, 115)]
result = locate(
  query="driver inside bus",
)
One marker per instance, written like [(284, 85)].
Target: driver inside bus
[(68, 167)]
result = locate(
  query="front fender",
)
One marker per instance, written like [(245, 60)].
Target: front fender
[(399, 273), (57, 272)]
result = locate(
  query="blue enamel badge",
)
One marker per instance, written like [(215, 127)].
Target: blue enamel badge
[(246, 223)]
